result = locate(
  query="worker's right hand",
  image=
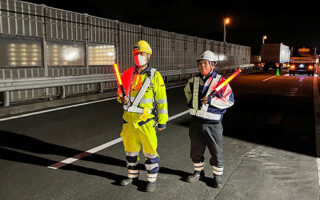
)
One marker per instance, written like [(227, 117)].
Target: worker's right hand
[(124, 99)]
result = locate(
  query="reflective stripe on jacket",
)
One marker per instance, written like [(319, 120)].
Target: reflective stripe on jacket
[(196, 89), (155, 97)]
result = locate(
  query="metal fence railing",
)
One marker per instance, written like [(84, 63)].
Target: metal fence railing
[(10, 85)]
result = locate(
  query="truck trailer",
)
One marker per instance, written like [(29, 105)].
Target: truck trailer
[(275, 56), (303, 61)]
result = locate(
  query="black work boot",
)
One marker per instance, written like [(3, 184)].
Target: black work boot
[(128, 181), (151, 187), (195, 176), (217, 181)]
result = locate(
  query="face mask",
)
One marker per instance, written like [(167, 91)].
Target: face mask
[(139, 60)]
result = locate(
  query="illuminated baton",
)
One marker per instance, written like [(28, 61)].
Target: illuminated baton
[(227, 80), (116, 69)]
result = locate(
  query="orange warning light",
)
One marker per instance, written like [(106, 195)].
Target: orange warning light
[(228, 80)]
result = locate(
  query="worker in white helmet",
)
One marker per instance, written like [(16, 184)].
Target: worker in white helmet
[(207, 109)]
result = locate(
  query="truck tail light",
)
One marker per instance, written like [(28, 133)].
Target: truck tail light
[(310, 67), (292, 67)]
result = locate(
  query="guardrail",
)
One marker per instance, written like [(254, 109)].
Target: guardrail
[(8, 85)]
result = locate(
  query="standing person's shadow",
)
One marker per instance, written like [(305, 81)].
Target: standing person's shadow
[(10, 141)]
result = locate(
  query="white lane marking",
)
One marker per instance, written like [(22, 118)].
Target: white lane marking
[(178, 115), (269, 78), (176, 86), (55, 109), (316, 100), (106, 145), (84, 154), (101, 147), (65, 107)]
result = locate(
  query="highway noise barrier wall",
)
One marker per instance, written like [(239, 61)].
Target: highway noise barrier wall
[(39, 41)]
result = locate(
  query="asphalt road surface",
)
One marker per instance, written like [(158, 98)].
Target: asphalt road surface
[(270, 148)]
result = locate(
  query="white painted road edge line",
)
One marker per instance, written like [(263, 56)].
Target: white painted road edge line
[(269, 78), (55, 109), (101, 147), (66, 107), (316, 100)]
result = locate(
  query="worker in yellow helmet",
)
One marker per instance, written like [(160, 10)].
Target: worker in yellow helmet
[(145, 107)]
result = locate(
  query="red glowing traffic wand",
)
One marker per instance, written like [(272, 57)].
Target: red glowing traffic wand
[(227, 80), (116, 69)]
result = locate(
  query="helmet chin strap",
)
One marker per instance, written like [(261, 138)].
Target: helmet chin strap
[(141, 68)]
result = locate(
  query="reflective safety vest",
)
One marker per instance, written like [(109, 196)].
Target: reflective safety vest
[(133, 107), (147, 97), (217, 104), (203, 112)]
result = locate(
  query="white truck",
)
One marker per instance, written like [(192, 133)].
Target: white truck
[(275, 56)]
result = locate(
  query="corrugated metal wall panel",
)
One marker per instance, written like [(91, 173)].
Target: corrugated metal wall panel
[(19, 18), (179, 51), (170, 50), (190, 54), (129, 35)]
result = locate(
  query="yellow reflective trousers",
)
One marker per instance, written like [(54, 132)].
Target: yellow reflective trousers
[(144, 135), (139, 128)]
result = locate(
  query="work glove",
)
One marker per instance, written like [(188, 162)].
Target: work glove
[(207, 99), (124, 99), (219, 95), (161, 127)]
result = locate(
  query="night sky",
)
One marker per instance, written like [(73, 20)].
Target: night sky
[(294, 24)]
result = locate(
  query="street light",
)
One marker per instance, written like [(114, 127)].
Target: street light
[(226, 21), (264, 38)]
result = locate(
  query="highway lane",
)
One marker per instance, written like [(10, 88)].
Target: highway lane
[(269, 143)]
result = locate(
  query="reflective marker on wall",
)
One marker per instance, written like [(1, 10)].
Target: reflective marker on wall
[(65, 54), (24, 55), (101, 55)]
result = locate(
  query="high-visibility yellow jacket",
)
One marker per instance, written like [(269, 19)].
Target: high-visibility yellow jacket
[(155, 98)]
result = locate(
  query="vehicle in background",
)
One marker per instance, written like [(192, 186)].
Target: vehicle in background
[(275, 56), (256, 60), (303, 61)]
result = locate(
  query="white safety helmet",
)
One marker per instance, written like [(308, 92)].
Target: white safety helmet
[(207, 55)]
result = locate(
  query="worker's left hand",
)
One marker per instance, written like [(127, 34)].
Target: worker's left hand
[(161, 129), (204, 100)]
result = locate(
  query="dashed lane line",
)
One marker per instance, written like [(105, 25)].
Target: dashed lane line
[(268, 78), (99, 148)]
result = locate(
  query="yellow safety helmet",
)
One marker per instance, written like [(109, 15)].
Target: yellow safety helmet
[(142, 46)]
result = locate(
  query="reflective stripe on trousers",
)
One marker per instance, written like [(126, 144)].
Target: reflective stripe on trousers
[(132, 164), (152, 166), (198, 166), (206, 135), (133, 138)]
